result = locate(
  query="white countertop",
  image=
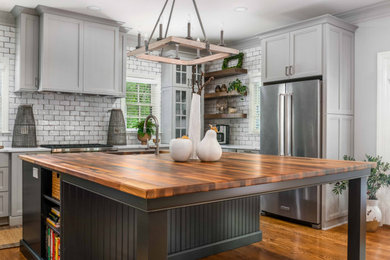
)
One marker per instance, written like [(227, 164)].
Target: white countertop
[(23, 149), (137, 146), (240, 147)]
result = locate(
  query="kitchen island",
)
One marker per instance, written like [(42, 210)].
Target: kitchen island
[(149, 207)]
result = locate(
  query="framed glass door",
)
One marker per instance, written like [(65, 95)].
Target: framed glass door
[(181, 113)]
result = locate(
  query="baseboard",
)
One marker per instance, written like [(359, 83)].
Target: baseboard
[(15, 221), (26, 250), (218, 247)]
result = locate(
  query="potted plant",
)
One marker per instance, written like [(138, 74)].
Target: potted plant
[(237, 85), (375, 181), (144, 137)]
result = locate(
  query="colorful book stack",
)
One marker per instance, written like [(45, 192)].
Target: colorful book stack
[(52, 236)]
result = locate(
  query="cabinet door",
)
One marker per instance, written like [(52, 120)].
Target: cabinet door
[(122, 63), (101, 57), (180, 76), (16, 185), (61, 54), (4, 204), (306, 52), (339, 67), (3, 179), (275, 60), (339, 136), (27, 59)]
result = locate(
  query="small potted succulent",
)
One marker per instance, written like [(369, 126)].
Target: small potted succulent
[(377, 179), (237, 85), (144, 137)]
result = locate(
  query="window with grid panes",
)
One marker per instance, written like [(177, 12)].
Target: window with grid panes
[(138, 102), (181, 74), (180, 113)]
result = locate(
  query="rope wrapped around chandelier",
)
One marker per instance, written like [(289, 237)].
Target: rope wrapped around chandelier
[(213, 51)]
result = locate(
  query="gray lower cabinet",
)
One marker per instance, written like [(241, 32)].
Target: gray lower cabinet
[(4, 195), (4, 204), (16, 194)]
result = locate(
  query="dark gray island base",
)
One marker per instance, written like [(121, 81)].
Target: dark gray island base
[(102, 221)]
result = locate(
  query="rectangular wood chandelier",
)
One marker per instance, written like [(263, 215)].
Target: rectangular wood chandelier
[(214, 51)]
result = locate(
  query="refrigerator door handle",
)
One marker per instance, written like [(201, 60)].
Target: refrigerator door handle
[(288, 124), (281, 110)]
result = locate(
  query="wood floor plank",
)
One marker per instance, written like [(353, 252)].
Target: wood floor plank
[(284, 241)]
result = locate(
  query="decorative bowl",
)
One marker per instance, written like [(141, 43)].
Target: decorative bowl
[(180, 149)]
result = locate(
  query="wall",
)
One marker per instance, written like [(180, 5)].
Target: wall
[(370, 38), (240, 133), (65, 118)]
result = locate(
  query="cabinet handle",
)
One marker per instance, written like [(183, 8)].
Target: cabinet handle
[(291, 70), (286, 71), (36, 82)]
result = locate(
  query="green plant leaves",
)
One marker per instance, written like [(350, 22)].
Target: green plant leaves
[(375, 180)]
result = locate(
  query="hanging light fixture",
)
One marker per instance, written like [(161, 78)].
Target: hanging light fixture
[(213, 51)]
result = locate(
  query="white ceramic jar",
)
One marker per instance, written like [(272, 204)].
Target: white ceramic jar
[(180, 149), (374, 215)]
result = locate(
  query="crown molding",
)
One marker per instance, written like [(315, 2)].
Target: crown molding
[(366, 13), (6, 18)]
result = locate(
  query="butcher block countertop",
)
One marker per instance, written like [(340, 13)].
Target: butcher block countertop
[(150, 177)]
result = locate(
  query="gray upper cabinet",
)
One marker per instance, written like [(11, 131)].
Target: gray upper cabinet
[(27, 49), (275, 57), (296, 54), (101, 59), (61, 54), (63, 51), (306, 52)]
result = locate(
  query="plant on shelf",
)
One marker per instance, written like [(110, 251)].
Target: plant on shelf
[(237, 85), (377, 179), (144, 137)]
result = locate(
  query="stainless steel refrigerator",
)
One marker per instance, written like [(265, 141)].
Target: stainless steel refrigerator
[(290, 125)]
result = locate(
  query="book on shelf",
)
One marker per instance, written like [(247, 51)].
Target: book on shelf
[(56, 211), (53, 218), (53, 243)]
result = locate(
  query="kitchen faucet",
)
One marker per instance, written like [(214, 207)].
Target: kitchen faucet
[(157, 126)]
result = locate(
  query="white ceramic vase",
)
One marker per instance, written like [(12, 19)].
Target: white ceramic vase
[(180, 149), (209, 150), (374, 215), (195, 124)]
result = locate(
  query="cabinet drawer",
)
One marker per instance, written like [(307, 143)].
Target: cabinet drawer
[(3, 159), (3, 179), (3, 204)]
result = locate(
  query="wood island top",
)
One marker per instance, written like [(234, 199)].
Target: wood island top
[(150, 177)]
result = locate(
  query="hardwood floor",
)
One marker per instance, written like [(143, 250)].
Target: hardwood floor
[(283, 240)]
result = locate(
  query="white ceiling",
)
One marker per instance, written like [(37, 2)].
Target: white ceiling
[(261, 15)]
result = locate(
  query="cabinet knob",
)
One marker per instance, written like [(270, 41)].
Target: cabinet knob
[(286, 71)]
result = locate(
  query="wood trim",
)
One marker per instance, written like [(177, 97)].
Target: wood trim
[(222, 95), (202, 60), (185, 43), (226, 73), (225, 116)]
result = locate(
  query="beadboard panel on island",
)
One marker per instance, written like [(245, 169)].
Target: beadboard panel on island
[(65, 118)]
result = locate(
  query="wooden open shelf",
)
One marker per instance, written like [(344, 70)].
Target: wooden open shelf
[(224, 116), (222, 95), (225, 73)]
